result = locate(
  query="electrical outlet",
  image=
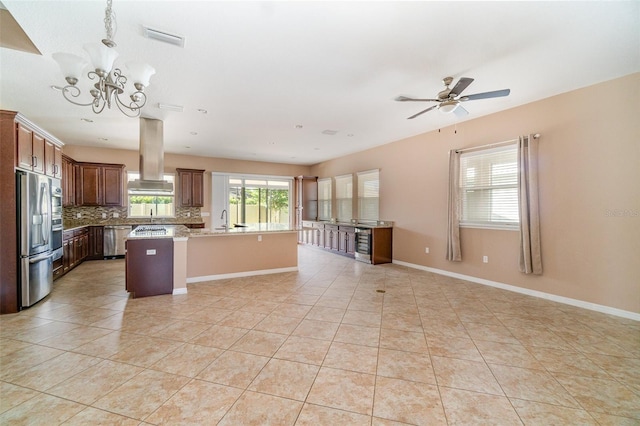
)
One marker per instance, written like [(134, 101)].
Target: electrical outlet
[(426, 250), (116, 215), (78, 215), (188, 214), (259, 237), (104, 215), (485, 259)]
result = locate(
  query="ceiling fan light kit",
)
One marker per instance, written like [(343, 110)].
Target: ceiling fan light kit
[(111, 82), (449, 99)]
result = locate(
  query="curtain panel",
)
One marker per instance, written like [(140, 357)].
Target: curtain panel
[(530, 255), (454, 253)]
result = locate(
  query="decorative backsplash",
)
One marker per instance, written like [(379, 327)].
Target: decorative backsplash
[(110, 215)]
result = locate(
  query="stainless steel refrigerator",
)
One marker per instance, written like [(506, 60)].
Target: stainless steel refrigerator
[(34, 234)]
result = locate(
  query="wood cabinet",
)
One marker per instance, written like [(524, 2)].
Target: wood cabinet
[(149, 266), (30, 147), (347, 239), (306, 199), (68, 181), (52, 160), (96, 243), (75, 248), (341, 239), (190, 187), (99, 184)]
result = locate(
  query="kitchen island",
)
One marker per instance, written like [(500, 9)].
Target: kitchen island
[(205, 255)]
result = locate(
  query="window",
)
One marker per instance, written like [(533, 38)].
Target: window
[(258, 199), (324, 199), (143, 203), (368, 195), (489, 187), (344, 197)]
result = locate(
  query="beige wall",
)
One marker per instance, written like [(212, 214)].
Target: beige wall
[(172, 161), (589, 167)]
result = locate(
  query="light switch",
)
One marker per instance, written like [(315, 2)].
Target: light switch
[(151, 252)]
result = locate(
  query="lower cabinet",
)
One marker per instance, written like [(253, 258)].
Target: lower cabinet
[(75, 249), (96, 243), (338, 238), (149, 266)]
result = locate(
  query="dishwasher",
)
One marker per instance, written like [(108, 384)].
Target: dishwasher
[(114, 239)]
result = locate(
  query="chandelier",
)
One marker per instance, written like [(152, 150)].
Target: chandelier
[(110, 82)]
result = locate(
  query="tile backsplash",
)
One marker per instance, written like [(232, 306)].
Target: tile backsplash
[(119, 215)]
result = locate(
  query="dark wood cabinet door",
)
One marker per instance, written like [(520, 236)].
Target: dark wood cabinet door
[(90, 185), (57, 162), (96, 242), (68, 182), (185, 189), (38, 154), (113, 189), (49, 158), (197, 189), (66, 257), (25, 147)]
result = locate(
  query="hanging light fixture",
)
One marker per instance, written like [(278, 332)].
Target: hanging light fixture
[(110, 84)]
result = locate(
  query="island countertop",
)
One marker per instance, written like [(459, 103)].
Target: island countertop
[(254, 228)]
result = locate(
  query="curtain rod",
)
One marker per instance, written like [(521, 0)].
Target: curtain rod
[(491, 145)]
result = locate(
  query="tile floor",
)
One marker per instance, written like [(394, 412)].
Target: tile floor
[(317, 347)]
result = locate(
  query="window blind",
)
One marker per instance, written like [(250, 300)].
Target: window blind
[(489, 187), (344, 197), (324, 199), (368, 195)]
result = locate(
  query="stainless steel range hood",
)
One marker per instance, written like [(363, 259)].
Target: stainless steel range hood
[(151, 158)]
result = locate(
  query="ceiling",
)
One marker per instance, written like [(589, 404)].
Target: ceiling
[(273, 77)]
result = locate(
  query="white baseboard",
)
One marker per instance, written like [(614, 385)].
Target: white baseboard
[(241, 274), (182, 290), (555, 298)]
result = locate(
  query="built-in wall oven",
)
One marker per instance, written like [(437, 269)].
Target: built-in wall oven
[(56, 219)]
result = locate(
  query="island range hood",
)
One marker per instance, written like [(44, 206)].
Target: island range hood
[(151, 158)]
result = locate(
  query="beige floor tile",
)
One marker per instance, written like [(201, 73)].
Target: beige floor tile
[(314, 415), (210, 315), (610, 420), (346, 356), (20, 361), (188, 360), (408, 402), (13, 395), (359, 335), (278, 324), (198, 403), (454, 347), (316, 329), (242, 319), (302, 299), (146, 351), (532, 385), (362, 318), (231, 303), (401, 321), (490, 332), (287, 379), (294, 310), (537, 413), (627, 370), (43, 332), (134, 399), (403, 341), (234, 369), (259, 306), (467, 408), (95, 382), (465, 374), (567, 362), (365, 305), (323, 313), (256, 409), (514, 355), (406, 365), (182, 330), (108, 345), (603, 396), (41, 410), (259, 343), (219, 336), (303, 349), (93, 416), (344, 390)]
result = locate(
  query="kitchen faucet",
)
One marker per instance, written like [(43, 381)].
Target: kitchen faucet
[(222, 216), (152, 216)]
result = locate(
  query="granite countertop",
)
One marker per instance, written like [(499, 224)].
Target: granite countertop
[(81, 223), (368, 224), (170, 231), (256, 228)]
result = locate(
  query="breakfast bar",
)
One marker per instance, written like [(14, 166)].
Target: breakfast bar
[(203, 255)]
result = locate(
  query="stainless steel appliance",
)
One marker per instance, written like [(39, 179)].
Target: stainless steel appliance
[(34, 213), (114, 240), (363, 244), (56, 219)]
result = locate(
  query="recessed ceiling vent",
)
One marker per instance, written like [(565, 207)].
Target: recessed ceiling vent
[(164, 36), (329, 132)]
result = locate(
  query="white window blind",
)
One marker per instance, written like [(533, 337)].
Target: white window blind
[(368, 195), (324, 199), (344, 197), (489, 187)]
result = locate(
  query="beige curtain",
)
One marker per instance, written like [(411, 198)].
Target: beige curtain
[(453, 225), (530, 257)]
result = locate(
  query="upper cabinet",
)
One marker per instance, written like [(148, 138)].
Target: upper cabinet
[(99, 184), (190, 187), (52, 160), (30, 149), (306, 198), (69, 167)]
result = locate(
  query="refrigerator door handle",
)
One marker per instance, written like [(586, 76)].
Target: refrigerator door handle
[(40, 258)]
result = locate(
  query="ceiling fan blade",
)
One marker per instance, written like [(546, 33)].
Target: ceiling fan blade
[(406, 99), (422, 112), (486, 95), (460, 111), (462, 84)]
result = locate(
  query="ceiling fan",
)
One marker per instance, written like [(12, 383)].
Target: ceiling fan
[(449, 99)]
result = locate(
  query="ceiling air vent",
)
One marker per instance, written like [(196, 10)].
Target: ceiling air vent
[(329, 132), (164, 36)]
